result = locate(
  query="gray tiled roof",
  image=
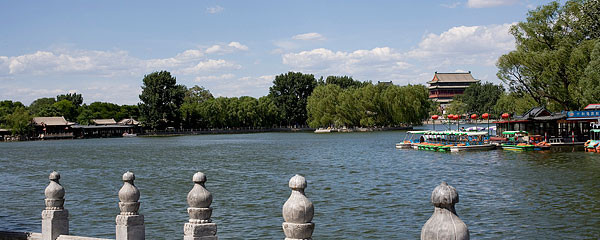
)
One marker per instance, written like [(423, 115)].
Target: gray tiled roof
[(50, 121)]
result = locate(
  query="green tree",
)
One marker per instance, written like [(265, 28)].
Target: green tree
[(197, 94), (348, 112), (85, 116), (480, 98), (75, 98), (513, 103), (344, 82), (190, 110), (268, 112), (19, 121), (161, 99), (590, 19), (8, 107), (322, 104), (127, 111), (590, 83), (66, 109), (547, 62), (42, 107), (457, 106), (290, 93)]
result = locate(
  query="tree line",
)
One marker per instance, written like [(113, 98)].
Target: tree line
[(294, 99), (18, 117)]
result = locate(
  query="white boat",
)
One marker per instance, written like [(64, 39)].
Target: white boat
[(409, 140), (129, 135), (325, 130)]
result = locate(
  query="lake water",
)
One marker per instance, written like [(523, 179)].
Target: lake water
[(361, 186)]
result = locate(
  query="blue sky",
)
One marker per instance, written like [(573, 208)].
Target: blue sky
[(102, 49)]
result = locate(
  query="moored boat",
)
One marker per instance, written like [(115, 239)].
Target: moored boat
[(593, 145), (455, 141), (517, 142), (412, 138), (129, 135)]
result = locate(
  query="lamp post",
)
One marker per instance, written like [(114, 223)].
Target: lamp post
[(474, 117), (434, 117), (487, 117), (506, 116)]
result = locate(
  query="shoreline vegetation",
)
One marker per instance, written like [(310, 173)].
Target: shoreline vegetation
[(555, 64), (185, 132)]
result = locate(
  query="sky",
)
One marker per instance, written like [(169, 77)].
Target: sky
[(103, 49)]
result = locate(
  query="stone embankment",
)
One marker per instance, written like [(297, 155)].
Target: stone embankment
[(297, 212)]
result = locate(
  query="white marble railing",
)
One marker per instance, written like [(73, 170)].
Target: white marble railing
[(297, 211)]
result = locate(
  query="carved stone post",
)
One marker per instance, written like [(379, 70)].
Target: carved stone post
[(199, 199), (55, 218), (298, 212), (444, 223), (130, 224)]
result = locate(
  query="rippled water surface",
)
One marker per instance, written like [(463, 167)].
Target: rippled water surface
[(361, 186)]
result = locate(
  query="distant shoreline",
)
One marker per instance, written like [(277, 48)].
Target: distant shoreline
[(256, 130)]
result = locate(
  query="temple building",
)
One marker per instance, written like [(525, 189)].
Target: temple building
[(445, 86)]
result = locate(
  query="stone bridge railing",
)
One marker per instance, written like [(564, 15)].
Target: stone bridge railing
[(298, 212)]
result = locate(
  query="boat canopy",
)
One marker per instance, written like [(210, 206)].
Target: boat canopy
[(457, 133), (512, 132), (417, 132)]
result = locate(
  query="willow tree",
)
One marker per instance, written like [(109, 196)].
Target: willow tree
[(552, 51), (322, 106)]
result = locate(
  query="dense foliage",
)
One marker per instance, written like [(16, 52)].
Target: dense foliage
[(290, 93), (161, 98), (478, 98), (554, 61), (367, 106)]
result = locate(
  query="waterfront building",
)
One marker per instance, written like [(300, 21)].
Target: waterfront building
[(444, 86), (563, 127), (129, 121), (104, 128), (52, 128), (4, 133), (104, 121)]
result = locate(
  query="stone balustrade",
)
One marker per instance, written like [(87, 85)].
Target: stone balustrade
[(297, 212)]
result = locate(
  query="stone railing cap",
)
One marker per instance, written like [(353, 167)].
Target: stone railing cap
[(298, 182), (444, 194), (128, 176), (54, 176), (199, 178)]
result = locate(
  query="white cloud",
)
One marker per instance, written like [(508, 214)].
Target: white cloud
[(226, 48), (215, 9), (309, 36), (244, 86), (210, 65), (100, 75), (460, 47), (214, 78), (376, 62), (489, 3), (469, 44), (451, 5)]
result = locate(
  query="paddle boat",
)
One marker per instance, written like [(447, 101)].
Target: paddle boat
[(471, 141), (412, 138), (517, 141), (455, 141), (593, 145)]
